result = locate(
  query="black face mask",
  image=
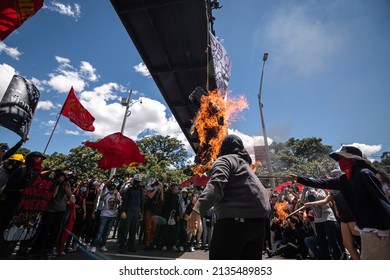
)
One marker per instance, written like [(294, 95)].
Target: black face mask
[(12, 165)]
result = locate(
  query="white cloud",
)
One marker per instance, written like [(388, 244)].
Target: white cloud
[(45, 105), (301, 42), (150, 115), (12, 52), (250, 141), (88, 71), (63, 61), (67, 10), (142, 69), (66, 76), (367, 150), (72, 132)]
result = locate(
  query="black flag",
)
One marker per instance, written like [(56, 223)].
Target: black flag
[(18, 105)]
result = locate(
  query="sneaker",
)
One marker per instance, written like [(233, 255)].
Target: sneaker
[(93, 250), (164, 249), (62, 253), (69, 249), (270, 254), (53, 254), (181, 249), (191, 249), (104, 249), (174, 249)]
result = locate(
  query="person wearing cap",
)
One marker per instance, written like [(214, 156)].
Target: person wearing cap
[(154, 198), (365, 198), (241, 203), (110, 199), (170, 212), (184, 201), (91, 201), (131, 213)]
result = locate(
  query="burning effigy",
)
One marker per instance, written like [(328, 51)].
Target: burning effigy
[(215, 114)]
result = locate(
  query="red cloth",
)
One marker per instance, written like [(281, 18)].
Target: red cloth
[(346, 166), (76, 113), (196, 180), (118, 151), (14, 13), (69, 226)]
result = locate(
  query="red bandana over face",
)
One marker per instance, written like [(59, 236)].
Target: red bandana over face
[(345, 166)]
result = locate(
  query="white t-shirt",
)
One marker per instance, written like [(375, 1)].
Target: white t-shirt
[(110, 205)]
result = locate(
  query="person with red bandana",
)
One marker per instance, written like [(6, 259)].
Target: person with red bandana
[(363, 193), (13, 190)]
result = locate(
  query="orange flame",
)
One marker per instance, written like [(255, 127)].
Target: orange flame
[(214, 116), (279, 208)]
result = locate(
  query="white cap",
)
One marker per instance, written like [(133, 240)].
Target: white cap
[(137, 177)]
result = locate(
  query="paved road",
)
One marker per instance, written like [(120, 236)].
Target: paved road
[(141, 254), (114, 254)]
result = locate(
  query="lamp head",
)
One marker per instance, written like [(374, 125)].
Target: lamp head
[(265, 56), (124, 101)]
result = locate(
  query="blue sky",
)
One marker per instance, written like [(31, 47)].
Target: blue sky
[(327, 74)]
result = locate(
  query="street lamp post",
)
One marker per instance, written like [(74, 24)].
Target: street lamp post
[(125, 102), (268, 157)]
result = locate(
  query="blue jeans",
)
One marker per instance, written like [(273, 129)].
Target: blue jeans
[(105, 225)]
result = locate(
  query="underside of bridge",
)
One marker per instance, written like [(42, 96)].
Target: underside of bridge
[(171, 37)]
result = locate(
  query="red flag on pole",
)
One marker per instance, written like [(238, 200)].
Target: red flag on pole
[(118, 151), (76, 113), (14, 13)]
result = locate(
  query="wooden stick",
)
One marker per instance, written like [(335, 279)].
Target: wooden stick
[(299, 209), (276, 177)]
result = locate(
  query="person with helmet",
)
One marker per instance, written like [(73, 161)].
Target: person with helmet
[(12, 193), (6, 153), (15, 161)]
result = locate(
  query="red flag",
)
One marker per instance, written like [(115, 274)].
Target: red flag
[(13, 13), (76, 113), (118, 151)]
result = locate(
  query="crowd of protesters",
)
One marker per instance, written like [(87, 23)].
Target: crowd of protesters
[(304, 223), (83, 214)]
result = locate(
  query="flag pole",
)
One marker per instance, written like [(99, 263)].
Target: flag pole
[(58, 119)]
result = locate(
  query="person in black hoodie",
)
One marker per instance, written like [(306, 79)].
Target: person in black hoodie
[(365, 198), (241, 203)]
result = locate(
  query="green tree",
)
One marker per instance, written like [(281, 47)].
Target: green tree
[(308, 156), (384, 164), (83, 161), (166, 159), (56, 160), (166, 150)]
